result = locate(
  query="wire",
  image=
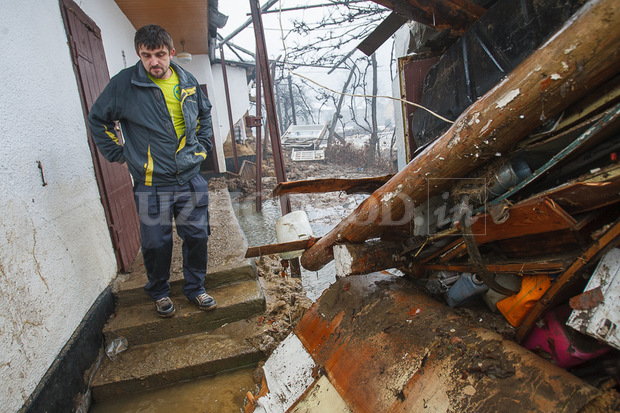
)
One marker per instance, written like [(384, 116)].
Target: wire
[(288, 67)]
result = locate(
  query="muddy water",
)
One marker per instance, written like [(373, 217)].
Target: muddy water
[(259, 229), (222, 393)]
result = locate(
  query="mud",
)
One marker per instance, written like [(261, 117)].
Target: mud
[(286, 301), (390, 347)]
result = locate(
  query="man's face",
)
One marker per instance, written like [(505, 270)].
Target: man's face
[(156, 61)]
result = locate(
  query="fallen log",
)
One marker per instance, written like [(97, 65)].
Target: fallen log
[(302, 244), (580, 56), (350, 186), (366, 257)]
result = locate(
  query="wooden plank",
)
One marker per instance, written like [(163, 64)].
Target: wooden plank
[(493, 124), (377, 37), (565, 280), (519, 267), (549, 243), (533, 216), (588, 192), (281, 247), (247, 170), (453, 15), (350, 186)]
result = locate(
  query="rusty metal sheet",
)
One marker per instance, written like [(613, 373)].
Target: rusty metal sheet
[(387, 347)]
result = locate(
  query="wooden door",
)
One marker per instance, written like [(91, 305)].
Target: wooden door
[(115, 185), (413, 69)]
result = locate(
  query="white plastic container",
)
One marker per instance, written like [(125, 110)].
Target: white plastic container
[(293, 227)]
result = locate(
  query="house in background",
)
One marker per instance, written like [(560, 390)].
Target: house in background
[(69, 222)]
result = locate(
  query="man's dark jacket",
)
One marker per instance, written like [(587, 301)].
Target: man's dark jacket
[(153, 153)]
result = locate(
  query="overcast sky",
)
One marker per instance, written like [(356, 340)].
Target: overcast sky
[(238, 10)]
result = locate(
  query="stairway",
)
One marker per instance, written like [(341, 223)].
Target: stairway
[(193, 343)]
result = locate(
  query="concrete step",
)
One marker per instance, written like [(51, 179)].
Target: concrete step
[(131, 289), (160, 364), (139, 323)]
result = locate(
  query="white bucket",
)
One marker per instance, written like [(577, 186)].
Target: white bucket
[(293, 227)]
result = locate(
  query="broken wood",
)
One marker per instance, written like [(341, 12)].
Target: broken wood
[(247, 170), (517, 268), (548, 243), (532, 216), (561, 284), (281, 247), (350, 186), (574, 61), (384, 31), (592, 191), (367, 257), (453, 15)]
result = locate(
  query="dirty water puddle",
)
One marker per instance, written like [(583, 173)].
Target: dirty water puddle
[(221, 393), (259, 228)]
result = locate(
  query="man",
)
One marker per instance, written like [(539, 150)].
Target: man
[(166, 123)]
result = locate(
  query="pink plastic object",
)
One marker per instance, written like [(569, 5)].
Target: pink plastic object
[(561, 343)]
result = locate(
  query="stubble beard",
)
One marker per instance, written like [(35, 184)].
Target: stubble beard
[(161, 74)]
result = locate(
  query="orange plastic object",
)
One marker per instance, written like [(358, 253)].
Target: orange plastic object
[(515, 308)]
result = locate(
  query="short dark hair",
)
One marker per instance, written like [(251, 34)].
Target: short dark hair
[(152, 37)]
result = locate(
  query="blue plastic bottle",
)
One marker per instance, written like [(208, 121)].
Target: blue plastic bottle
[(466, 287)]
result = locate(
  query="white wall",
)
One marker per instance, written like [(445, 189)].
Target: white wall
[(200, 67), (239, 95), (56, 255), (117, 33)]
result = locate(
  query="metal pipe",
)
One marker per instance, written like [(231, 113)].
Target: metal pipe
[(259, 147), (274, 133), (239, 29)]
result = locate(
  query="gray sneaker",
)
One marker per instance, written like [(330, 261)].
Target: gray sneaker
[(164, 307), (204, 301)]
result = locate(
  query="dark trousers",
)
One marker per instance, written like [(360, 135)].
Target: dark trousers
[(188, 205)]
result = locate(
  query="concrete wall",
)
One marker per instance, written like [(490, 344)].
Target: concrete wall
[(200, 67), (239, 95), (56, 255)]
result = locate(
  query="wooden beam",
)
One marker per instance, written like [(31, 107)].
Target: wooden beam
[(377, 37), (519, 268), (566, 279), (350, 186), (281, 247), (453, 15), (574, 61)]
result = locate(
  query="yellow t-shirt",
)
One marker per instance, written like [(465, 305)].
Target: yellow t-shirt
[(172, 95)]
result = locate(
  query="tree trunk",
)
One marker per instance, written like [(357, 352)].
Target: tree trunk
[(292, 100), (334, 123), (579, 57), (373, 142)]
